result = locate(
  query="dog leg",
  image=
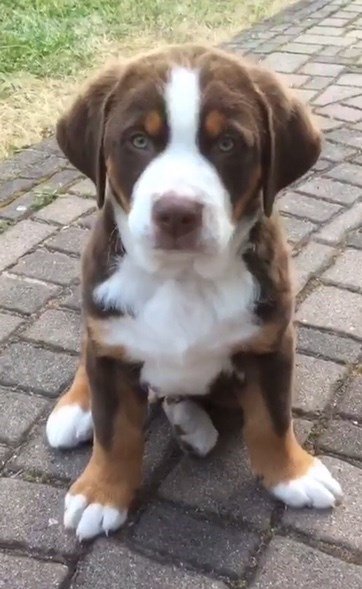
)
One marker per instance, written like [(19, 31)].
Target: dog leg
[(285, 468), (99, 500), (70, 422), (193, 427)]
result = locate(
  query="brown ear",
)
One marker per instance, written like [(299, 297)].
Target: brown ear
[(293, 142), (80, 131)]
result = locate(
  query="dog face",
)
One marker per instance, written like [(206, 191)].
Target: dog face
[(191, 142)]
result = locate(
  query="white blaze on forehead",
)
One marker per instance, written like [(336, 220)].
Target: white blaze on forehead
[(180, 169), (183, 99)]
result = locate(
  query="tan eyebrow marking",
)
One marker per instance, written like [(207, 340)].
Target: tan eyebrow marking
[(153, 123), (215, 123)]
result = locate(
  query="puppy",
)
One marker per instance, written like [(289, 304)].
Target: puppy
[(186, 283)]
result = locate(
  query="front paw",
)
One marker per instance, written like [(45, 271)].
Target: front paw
[(317, 488), (95, 509)]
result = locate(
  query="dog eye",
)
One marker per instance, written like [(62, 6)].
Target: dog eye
[(140, 141), (226, 144)]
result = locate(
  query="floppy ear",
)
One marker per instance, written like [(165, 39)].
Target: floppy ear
[(80, 131), (292, 142)]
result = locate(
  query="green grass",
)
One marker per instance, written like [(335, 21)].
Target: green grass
[(59, 37), (48, 46), (43, 198)]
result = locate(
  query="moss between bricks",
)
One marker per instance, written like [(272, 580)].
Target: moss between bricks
[(43, 198)]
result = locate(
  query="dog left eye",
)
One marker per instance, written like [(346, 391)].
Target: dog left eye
[(140, 141), (226, 144)]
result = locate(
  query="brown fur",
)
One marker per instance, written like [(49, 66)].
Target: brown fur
[(275, 458)]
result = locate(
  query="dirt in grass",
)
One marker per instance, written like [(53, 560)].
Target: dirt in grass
[(48, 47)]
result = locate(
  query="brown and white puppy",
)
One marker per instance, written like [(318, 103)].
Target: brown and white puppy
[(186, 285)]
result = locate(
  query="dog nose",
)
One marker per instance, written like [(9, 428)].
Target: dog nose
[(176, 216)]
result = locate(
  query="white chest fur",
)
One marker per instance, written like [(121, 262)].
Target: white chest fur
[(182, 329)]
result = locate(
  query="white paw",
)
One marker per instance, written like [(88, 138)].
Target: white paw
[(90, 520), (68, 426), (317, 489), (193, 426)]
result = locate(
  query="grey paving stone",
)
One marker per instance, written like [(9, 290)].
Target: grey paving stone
[(20, 165), (18, 412), (322, 40), (331, 190), (325, 123), (60, 181), (65, 209), (4, 454), (333, 308), (307, 207), (9, 189), (159, 444), (287, 560), (318, 83), (49, 266), (36, 457), (8, 324), (351, 404), (347, 136), (84, 188), (88, 221), (285, 62), (315, 380), (48, 146), (72, 298), (19, 208), (335, 93), (345, 271), (336, 152), (341, 112), (354, 239), (342, 437), (342, 525), (315, 68), (69, 240), (21, 572), (331, 31), (348, 172), (310, 261), (223, 550), (305, 95), (355, 102), (350, 80), (297, 229), (222, 483), (22, 364), (111, 565), (300, 48), (20, 238), (324, 344), (23, 294), (57, 328), (294, 80), (46, 167), (336, 229), (33, 517)]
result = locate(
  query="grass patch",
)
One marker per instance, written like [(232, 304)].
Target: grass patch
[(47, 45), (43, 198), (4, 225)]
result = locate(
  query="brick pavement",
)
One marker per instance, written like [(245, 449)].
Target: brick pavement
[(203, 524)]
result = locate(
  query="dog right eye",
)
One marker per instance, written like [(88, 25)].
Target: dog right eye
[(140, 141)]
